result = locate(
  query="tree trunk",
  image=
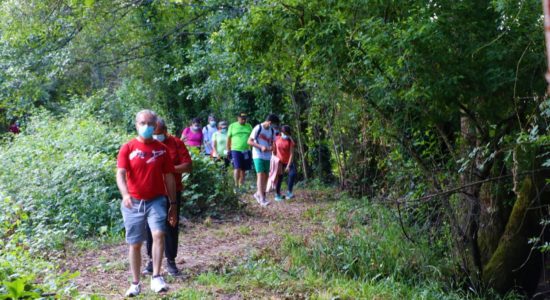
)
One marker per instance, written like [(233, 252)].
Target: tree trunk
[(514, 264)]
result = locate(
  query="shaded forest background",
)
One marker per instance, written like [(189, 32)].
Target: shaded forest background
[(435, 109)]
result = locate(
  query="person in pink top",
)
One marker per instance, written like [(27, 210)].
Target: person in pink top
[(192, 136)]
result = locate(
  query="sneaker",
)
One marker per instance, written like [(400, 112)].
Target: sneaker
[(158, 285), (289, 195), (278, 198), (134, 290), (265, 203), (171, 267), (148, 270), (258, 198)]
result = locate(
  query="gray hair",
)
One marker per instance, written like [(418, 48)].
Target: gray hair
[(148, 112)]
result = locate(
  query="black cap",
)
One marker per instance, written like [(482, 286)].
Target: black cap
[(242, 115)]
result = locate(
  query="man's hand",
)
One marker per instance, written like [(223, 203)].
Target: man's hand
[(172, 215), (127, 201), (263, 148), (287, 169)]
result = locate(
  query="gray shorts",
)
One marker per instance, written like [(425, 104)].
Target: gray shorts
[(152, 212)]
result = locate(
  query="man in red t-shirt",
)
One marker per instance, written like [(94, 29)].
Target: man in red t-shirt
[(145, 179), (180, 158)]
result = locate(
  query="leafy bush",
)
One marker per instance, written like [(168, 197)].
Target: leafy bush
[(59, 174), (208, 189), (22, 275)]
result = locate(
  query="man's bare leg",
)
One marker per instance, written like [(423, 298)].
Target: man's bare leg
[(158, 251), (134, 253)]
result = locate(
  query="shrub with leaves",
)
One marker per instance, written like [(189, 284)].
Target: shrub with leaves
[(208, 189), (59, 174)]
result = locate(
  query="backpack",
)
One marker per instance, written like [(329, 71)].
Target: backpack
[(260, 130)]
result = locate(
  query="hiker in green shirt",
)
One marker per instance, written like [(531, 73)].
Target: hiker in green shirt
[(238, 148)]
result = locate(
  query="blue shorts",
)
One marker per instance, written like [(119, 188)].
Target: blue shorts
[(153, 212), (241, 159)]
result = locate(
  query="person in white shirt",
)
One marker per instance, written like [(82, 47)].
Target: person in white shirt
[(261, 139)]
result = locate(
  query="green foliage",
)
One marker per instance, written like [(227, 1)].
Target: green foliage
[(366, 241), (209, 188), (25, 276), (59, 177)]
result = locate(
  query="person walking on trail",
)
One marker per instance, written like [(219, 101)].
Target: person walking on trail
[(146, 182), (261, 139), (207, 132), (179, 156), (284, 150), (192, 136), (219, 143), (238, 149)]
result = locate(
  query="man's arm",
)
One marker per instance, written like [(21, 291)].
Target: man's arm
[(228, 145), (170, 183), (253, 143), (184, 167), (123, 187)]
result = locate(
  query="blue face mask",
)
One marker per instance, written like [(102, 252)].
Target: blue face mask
[(159, 137), (212, 123), (224, 130), (284, 136), (146, 131)]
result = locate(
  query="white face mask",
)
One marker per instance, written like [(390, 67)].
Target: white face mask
[(159, 137)]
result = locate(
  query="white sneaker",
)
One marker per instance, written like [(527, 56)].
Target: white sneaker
[(158, 285), (258, 199), (134, 290)]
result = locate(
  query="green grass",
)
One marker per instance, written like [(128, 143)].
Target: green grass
[(244, 230), (361, 254)]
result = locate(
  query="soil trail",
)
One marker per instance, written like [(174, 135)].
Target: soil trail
[(204, 246)]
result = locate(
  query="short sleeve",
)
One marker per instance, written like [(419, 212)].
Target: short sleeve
[(167, 165), (183, 153), (254, 132), (229, 131), (123, 159)]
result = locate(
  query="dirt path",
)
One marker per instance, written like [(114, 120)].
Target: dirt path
[(204, 246)]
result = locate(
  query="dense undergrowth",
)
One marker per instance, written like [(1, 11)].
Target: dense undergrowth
[(360, 254)]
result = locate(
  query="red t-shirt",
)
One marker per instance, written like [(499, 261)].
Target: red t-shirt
[(178, 155), (282, 147), (145, 165)]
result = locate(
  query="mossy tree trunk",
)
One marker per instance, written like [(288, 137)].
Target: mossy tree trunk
[(498, 217), (513, 263)]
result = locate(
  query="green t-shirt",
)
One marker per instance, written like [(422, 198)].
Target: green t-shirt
[(221, 143), (239, 135)]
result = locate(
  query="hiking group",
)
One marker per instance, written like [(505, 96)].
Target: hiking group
[(149, 178)]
